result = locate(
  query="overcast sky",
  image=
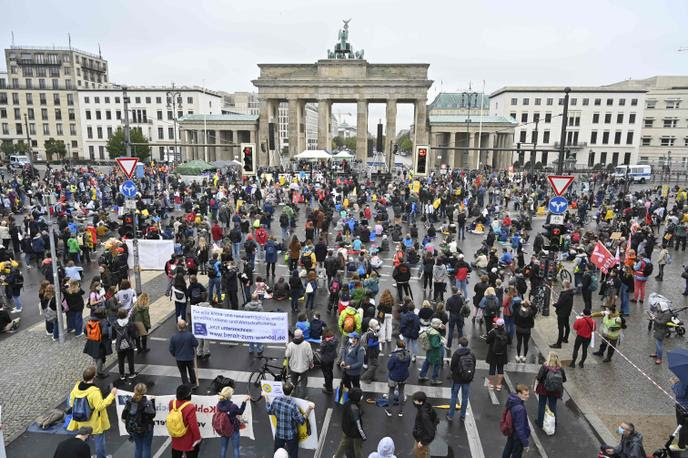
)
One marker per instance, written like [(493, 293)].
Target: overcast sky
[(219, 43)]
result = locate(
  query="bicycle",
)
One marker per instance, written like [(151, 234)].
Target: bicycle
[(278, 373)]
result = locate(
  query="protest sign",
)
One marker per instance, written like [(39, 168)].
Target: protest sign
[(205, 408), (240, 326), (308, 432), (272, 389)]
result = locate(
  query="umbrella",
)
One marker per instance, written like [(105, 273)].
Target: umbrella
[(196, 167), (343, 155), (678, 364)]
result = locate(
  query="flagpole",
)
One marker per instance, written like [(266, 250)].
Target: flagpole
[(480, 127)]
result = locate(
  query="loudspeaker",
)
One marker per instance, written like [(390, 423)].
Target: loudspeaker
[(271, 136), (379, 137)]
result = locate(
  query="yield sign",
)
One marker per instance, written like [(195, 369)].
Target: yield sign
[(560, 183), (127, 165)]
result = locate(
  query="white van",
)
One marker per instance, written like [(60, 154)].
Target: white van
[(639, 173), (18, 161)]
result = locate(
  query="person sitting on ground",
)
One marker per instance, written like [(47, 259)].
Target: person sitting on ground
[(281, 290), (630, 446)]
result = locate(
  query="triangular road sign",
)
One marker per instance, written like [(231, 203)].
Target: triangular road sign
[(560, 183), (127, 165)]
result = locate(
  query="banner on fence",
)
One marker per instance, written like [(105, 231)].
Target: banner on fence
[(240, 326), (205, 408)]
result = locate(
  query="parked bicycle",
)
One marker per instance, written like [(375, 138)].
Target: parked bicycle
[(266, 372)]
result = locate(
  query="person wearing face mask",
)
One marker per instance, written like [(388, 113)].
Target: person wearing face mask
[(352, 362), (425, 425), (370, 341), (630, 446)]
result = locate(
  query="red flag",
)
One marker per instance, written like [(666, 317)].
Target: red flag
[(627, 255), (602, 258)]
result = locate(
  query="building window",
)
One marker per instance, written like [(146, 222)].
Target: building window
[(109, 132), (190, 100), (99, 132), (46, 128), (170, 133), (544, 157), (158, 100), (615, 158), (108, 115), (526, 101), (118, 115), (170, 115), (619, 117), (88, 114), (3, 113), (524, 117), (159, 113), (593, 137), (586, 101), (617, 138), (89, 132), (15, 98), (116, 99), (32, 129), (68, 84), (148, 100), (44, 113), (536, 117), (5, 128), (685, 141), (629, 137), (161, 133), (17, 113), (537, 101), (548, 118), (107, 99), (545, 137), (98, 115), (70, 99), (670, 122), (603, 157), (646, 141), (631, 118), (605, 138), (58, 127), (550, 101), (610, 102), (18, 127), (672, 104), (514, 101), (101, 152), (56, 84), (3, 98), (622, 102), (598, 102), (591, 158), (561, 101), (58, 114), (137, 99), (649, 122), (75, 144), (650, 104), (634, 102), (91, 152), (72, 129), (607, 118), (522, 136), (627, 158), (595, 118), (42, 99), (30, 113), (667, 141), (534, 137), (574, 102)]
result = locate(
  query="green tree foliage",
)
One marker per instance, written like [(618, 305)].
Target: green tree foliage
[(55, 148), (116, 147), (340, 142), (405, 143)]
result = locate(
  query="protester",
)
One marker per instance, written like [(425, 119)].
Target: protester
[(287, 415), (584, 326), (496, 354), (352, 362), (98, 339), (550, 386), (300, 360), (630, 446), (75, 446), (138, 415), (89, 409), (385, 449), (182, 424), (351, 443), (563, 307), (329, 346), (227, 407), (183, 348), (425, 425), (397, 372), (462, 368), (518, 438), (124, 332)]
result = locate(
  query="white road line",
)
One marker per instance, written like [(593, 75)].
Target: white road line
[(323, 433), (163, 447), (490, 391), (473, 435)]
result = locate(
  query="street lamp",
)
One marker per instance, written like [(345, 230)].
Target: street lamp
[(174, 101), (668, 166)]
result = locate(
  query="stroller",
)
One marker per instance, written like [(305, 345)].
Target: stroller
[(675, 325)]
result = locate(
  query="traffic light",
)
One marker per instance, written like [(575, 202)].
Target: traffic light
[(248, 158), (421, 162)]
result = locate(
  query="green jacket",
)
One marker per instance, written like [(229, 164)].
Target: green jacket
[(611, 326), (434, 355), (72, 245), (141, 315)]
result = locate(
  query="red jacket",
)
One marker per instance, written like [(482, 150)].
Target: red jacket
[(261, 236), (584, 326), (187, 442), (216, 232)]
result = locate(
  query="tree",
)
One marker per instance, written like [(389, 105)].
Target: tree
[(117, 148), (405, 143), (55, 148), (340, 142), (7, 148), (21, 147)]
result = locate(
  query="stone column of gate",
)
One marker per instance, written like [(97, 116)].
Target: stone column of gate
[(391, 131), (274, 158), (263, 121), (303, 141), (472, 154), (293, 126), (508, 155), (452, 155), (421, 122), (362, 130), (324, 140), (489, 155)]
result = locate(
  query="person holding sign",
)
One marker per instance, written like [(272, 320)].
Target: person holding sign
[(288, 416)]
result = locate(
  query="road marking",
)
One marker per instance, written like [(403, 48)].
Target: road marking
[(323, 433), (472, 434), (490, 391), (163, 447), (159, 370)]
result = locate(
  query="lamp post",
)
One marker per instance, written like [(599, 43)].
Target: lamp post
[(668, 166), (562, 140), (172, 95)]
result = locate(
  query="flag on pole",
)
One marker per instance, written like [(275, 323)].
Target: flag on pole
[(602, 258)]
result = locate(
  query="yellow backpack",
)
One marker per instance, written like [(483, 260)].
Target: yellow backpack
[(175, 420)]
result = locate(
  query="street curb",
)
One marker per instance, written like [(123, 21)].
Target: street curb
[(598, 427)]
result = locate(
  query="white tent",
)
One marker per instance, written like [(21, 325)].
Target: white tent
[(314, 154), (343, 155)]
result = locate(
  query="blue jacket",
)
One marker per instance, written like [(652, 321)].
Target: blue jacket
[(270, 251), (519, 419), (409, 325), (398, 365), (183, 346), (353, 356)]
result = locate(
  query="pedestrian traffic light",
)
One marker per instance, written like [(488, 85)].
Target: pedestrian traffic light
[(421, 162), (248, 158)]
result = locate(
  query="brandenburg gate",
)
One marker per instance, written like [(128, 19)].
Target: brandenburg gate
[(344, 77)]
